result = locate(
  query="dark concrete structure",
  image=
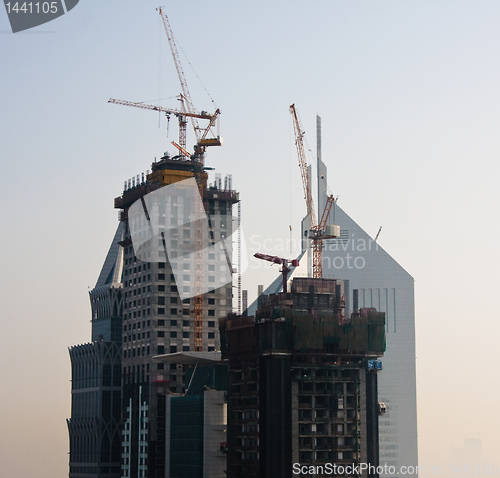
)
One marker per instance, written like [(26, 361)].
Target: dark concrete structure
[(302, 382)]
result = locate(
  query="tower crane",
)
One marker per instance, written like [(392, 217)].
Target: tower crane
[(181, 115), (197, 158), (201, 141), (199, 172), (279, 260), (321, 231)]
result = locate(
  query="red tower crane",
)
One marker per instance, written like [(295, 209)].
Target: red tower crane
[(284, 265), (321, 231)]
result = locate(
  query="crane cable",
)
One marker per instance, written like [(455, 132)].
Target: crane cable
[(159, 70), (194, 71), (290, 180)]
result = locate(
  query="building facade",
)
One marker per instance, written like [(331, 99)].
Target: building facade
[(380, 282), (197, 420), (95, 426), (159, 304), (144, 306)]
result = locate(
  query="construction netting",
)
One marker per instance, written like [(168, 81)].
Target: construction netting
[(323, 331)]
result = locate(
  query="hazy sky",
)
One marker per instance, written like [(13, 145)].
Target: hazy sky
[(408, 92)]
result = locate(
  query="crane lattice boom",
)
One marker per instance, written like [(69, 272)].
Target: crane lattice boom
[(181, 115), (180, 72), (198, 158), (167, 111), (311, 213), (317, 231), (284, 265)]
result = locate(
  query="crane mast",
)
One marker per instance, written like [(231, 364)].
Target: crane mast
[(318, 232), (188, 111), (198, 160)]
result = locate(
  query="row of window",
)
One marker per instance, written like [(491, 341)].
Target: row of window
[(136, 368), (185, 323), (162, 323), (137, 291), (137, 269), (137, 280), (173, 311), (185, 348), (173, 335), (137, 352), (146, 349), (145, 266), (137, 303), (137, 314), (130, 338), (185, 335), (137, 325)]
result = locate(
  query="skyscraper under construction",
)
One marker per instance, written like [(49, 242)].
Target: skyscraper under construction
[(373, 279), (143, 308), (302, 389)]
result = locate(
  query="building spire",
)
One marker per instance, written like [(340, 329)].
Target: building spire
[(320, 170)]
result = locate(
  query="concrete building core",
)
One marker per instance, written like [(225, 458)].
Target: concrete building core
[(302, 382)]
